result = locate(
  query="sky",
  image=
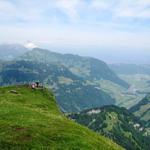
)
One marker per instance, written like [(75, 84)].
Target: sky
[(86, 27)]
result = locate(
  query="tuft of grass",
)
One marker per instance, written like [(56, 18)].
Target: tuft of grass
[(30, 119)]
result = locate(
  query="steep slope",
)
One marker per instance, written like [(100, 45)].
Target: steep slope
[(11, 51), (72, 92), (117, 124), (86, 67), (30, 119), (142, 109)]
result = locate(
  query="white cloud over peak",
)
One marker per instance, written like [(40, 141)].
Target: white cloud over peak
[(30, 45)]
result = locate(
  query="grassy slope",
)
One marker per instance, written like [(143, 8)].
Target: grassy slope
[(31, 119)]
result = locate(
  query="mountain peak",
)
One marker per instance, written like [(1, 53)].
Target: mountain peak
[(11, 51)]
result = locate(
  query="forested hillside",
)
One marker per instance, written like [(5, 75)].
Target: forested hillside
[(116, 123)]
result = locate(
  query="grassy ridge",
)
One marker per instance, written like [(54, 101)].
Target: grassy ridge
[(30, 119)]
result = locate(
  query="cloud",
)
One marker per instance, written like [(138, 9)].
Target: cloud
[(6, 6), (7, 10), (70, 8), (124, 8), (72, 37), (37, 10), (30, 45), (77, 22), (132, 9), (102, 5)]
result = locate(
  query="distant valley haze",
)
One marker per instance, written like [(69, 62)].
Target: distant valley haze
[(108, 54)]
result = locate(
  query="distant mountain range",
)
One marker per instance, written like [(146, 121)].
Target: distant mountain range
[(73, 78), (11, 51), (72, 92), (85, 67), (117, 124)]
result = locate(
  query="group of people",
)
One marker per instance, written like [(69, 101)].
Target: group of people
[(35, 85)]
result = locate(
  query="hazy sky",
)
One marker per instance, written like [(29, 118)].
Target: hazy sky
[(82, 26)]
